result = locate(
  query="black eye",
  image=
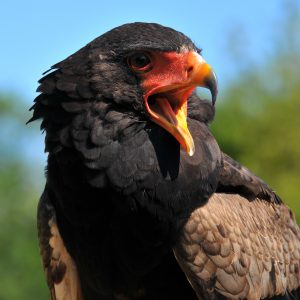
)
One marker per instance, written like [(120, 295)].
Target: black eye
[(139, 62)]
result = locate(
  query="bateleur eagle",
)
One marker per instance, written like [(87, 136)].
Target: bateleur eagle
[(140, 202)]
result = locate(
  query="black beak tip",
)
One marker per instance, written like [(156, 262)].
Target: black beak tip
[(211, 83)]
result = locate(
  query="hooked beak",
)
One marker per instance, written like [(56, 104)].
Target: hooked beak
[(166, 101), (203, 75)]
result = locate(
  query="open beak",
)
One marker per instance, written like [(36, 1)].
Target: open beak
[(166, 101)]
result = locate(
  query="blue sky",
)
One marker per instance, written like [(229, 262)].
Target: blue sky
[(36, 34)]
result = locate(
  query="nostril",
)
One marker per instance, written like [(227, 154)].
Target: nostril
[(189, 70)]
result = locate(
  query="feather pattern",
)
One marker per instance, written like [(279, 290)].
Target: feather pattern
[(240, 249)]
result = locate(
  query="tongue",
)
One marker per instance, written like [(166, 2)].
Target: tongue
[(163, 108), (174, 120)]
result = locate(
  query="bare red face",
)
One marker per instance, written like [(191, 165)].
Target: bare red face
[(168, 79)]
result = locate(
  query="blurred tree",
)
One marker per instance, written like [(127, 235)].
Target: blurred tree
[(21, 275), (258, 120)]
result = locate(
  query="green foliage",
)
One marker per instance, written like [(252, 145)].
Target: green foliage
[(258, 123), (21, 275)]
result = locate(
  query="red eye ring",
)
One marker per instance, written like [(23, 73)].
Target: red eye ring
[(140, 62)]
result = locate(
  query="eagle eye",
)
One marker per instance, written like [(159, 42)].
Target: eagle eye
[(140, 62)]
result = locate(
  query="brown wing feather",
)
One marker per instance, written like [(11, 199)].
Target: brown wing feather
[(60, 269), (240, 249)]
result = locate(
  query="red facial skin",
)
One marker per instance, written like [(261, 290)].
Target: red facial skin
[(169, 79)]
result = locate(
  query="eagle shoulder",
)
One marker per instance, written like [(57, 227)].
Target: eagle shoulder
[(240, 248)]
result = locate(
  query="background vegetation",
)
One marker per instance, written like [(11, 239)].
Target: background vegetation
[(257, 123)]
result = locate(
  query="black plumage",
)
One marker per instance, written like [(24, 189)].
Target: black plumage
[(120, 187)]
